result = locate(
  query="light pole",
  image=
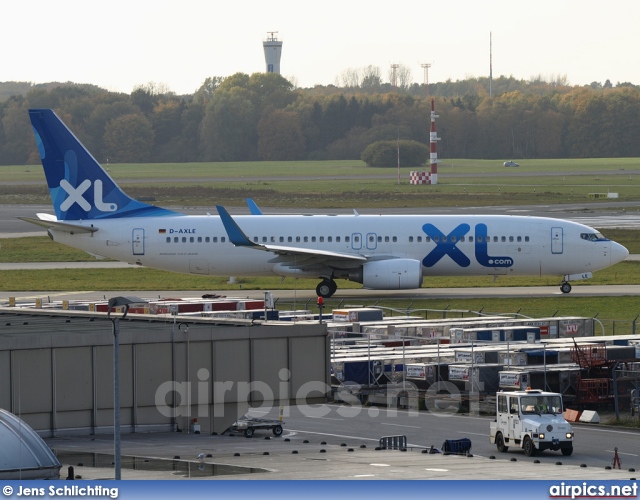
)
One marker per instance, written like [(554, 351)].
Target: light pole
[(183, 327), (118, 302)]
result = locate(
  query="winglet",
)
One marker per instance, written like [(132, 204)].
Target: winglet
[(253, 207), (236, 236)]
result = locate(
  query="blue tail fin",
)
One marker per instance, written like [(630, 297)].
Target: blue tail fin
[(80, 188)]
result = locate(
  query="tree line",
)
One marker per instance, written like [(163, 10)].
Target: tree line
[(263, 116)]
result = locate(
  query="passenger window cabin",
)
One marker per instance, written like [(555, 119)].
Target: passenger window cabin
[(372, 238)]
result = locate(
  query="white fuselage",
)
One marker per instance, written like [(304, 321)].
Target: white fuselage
[(445, 244)]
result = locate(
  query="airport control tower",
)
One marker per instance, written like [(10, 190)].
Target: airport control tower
[(272, 52)]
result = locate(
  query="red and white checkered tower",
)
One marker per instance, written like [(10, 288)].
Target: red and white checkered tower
[(433, 138)]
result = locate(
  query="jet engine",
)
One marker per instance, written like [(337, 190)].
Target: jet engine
[(390, 274)]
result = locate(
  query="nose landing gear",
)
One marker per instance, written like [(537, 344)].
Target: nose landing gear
[(565, 287)]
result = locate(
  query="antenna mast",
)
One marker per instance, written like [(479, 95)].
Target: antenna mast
[(394, 75), (426, 67), (490, 65)]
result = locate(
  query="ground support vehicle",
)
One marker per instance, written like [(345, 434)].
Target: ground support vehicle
[(531, 420), (248, 426)]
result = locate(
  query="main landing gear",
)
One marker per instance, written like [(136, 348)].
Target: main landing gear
[(565, 287), (326, 288)]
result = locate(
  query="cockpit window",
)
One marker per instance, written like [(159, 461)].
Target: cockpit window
[(592, 237)]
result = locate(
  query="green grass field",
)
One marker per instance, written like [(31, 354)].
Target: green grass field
[(157, 172), (350, 184)]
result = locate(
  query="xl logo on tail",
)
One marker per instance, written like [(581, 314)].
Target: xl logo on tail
[(76, 196)]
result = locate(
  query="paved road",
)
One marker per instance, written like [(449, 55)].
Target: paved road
[(593, 444), (329, 442)]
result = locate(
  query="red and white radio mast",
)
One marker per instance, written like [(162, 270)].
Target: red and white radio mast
[(433, 139)]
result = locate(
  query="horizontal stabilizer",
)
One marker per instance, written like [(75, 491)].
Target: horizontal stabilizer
[(59, 226)]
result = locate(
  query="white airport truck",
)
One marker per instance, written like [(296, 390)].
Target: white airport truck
[(531, 420)]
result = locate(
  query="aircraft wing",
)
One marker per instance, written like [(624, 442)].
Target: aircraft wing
[(239, 239), (51, 222)]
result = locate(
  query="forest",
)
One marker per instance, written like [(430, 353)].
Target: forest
[(263, 116)]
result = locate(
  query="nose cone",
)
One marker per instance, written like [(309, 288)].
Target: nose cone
[(618, 253)]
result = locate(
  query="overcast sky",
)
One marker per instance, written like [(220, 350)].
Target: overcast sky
[(118, 44)]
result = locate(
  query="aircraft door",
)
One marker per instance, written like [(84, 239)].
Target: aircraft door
[(372, 241), (557, 238), (138, 241), (356, 241)]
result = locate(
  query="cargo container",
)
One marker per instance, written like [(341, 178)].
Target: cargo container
[(514, 380), (359, 314), (442, 328), (358, 371), (479, 354), (428, 372), (476, 378), (496, 334), (559, 327), (513, 358), (557, 378)]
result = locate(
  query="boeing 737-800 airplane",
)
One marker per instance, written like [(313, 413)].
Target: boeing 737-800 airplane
[(386, 252)]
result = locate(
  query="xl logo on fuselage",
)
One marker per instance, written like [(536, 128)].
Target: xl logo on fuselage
[(447, 245), (76, 196)]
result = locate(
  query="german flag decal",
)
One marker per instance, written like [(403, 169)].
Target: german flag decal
[(162, 231)]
